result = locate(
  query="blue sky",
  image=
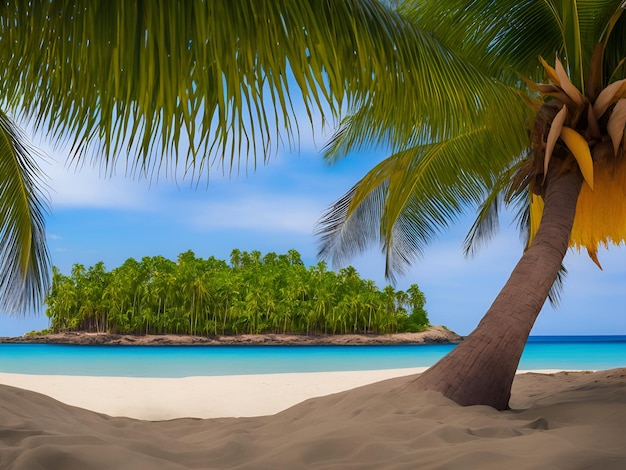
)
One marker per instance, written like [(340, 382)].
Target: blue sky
[(94, 218)]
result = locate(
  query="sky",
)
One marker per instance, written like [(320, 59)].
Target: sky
[(275, 208)]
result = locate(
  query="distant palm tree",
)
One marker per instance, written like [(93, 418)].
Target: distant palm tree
[(449, 87)]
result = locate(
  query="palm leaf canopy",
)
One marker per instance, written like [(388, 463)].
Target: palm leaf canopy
[(198, 84), (428, 181), (201, 79)]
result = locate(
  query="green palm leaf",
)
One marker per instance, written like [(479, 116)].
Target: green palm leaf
[(24, 262), (413, 195), (482, 32), (207, 80)]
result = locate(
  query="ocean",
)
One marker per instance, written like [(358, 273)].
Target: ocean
[(541, 352)]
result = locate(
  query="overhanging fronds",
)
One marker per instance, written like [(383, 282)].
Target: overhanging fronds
[(24, 261), (216, 81), (412, 196)]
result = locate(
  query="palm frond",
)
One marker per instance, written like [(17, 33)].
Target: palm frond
[(214, 83), (369, 128), (509, 188), (413, 195), (344, 233), (486, 223), (614, 64), (24, 261), (598, 24), (487, 33), (504, 39)]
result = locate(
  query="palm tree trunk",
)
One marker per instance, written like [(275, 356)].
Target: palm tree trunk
[(481, 369)]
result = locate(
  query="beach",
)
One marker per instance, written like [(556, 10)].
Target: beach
[(158, 399), (369, 420)]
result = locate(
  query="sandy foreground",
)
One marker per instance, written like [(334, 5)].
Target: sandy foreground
[(357, 420)]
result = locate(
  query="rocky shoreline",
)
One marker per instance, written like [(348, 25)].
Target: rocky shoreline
[(433, 335)]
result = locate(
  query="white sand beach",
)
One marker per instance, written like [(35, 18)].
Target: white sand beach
[(234, 396), (559, 420)]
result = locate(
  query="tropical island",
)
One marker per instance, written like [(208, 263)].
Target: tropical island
[(254, 298)]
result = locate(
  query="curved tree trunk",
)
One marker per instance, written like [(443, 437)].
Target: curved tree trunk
[(480, 370)]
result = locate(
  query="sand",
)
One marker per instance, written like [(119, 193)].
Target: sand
[(196, 397), (565, 420)]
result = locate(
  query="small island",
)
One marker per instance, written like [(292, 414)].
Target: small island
[(254, 299)]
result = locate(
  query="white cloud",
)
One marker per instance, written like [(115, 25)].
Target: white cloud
[(86, 188), (263, 213)]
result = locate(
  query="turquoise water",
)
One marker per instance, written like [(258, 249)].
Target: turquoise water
[(553, 352)]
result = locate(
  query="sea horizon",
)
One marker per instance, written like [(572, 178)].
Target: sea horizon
[(542, 352), (576, 337)]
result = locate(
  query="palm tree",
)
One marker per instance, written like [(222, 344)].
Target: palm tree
[(564, 169), (448, 88)]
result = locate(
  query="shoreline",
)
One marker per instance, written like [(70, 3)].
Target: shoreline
[(432, 335)]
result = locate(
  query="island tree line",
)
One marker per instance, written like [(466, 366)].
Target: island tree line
[(252, 294)]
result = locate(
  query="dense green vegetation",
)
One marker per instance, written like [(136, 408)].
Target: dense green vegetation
[(254, 293)]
